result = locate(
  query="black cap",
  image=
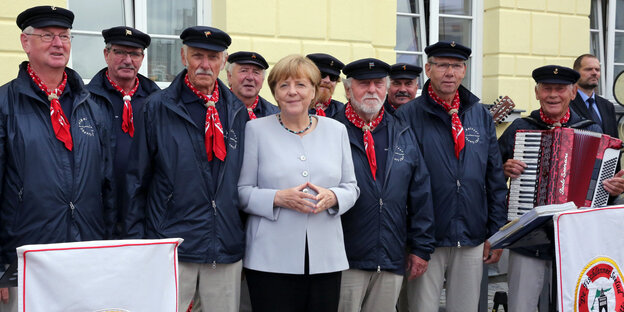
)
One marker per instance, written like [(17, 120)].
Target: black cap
[(326, 63), (244, 57), (555, 74), (368, 68), (205, 37), (448, 49), (404, 71), (45, 16), (127, 36)]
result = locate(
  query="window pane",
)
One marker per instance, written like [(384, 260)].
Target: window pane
[(593, 15), (407, 6), (87, 55), (619, 11), (96, 15), (454, 29), (168, 17), (408, 29), (164, 60), (594, 43), (457, 7), (618, 49)]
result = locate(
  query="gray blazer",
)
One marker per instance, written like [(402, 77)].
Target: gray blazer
[(276, 159)]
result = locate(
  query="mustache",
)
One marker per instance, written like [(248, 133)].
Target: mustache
[(201, 71), (127, 67), (402, 93), (371, 97)]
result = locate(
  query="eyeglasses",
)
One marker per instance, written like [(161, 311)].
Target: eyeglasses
[(331, 77), (49, 37), (445, 66), (135, 55)]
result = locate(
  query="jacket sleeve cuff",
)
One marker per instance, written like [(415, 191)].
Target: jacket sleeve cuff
[(261, 204), (421, 254)]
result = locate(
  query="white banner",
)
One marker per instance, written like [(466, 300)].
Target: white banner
[(589, 248), (117, 275)]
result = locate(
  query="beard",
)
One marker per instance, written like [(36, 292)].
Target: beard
[(587, 85), (370, 104), (324, 95)]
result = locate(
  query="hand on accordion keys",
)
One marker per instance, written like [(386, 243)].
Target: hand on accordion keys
[(614, 186), (513, 168)]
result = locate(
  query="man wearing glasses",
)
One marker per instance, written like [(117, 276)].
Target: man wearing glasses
[(330, 73), (123, 90), (55, 148), (458, 142)]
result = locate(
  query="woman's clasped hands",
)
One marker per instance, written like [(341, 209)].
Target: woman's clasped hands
[(299, 198)]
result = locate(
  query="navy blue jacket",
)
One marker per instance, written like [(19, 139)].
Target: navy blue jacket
[(171, 190), (389, 215), (105, 94), (506, 144), (44, 199), (265, 108), (469, 193), (331, 111), (388, 107)]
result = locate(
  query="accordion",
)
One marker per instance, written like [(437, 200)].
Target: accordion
[(563, 165)]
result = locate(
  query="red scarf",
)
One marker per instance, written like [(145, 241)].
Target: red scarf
[(127, 124), (213, 130), (369, 143), (250, 109), (60, 124), (321, 107), (456, 126), (551, 122)]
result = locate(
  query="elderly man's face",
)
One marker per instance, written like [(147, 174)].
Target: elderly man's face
[(53, 54), (203, 67), (123, 62), (555, 98), (367, 96), (245, 80), (402, 90), (445, 74)]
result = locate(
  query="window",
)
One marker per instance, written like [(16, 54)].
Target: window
[(423, 22), (607, 40), (163, 20)]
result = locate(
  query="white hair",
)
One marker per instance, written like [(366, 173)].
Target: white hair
[(229, 67), (347, 82), (541, 84)]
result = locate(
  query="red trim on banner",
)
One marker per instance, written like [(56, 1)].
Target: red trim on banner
[(558, 251), (175, 269)]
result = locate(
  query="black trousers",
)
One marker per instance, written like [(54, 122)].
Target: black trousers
[(276, 292)]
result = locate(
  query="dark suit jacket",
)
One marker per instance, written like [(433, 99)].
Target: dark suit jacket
[(606, 109)]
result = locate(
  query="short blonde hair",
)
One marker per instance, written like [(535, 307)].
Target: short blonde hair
[(295, 66)]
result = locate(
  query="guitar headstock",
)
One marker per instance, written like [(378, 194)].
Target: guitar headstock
[(501, 109)]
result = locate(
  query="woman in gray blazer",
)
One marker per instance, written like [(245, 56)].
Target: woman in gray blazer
[(297, 179)]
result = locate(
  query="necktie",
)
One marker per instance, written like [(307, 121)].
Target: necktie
[(592, 111)]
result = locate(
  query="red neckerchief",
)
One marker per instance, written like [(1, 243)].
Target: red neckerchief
[(392, 104), (456, 125), (127, 124), (60, 124), (321, 107), (250, 109), (551, 122), (369, 143), (213, 130)]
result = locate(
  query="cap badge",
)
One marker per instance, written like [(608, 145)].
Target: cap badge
[(453, 44), (371, 65), (253, 56), (53, 8), (128, 32), (207, 33), (556, 71), (331, 64), (404, 67)]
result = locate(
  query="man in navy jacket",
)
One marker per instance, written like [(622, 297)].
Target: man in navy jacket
[(394, 212), (55, 146), (124, 53), (183, 172), (457, 139)]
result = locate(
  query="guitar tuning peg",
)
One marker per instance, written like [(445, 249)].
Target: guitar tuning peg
[(500, 96)]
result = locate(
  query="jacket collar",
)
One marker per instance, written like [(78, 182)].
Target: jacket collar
[(466, 98), (99, 85)]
